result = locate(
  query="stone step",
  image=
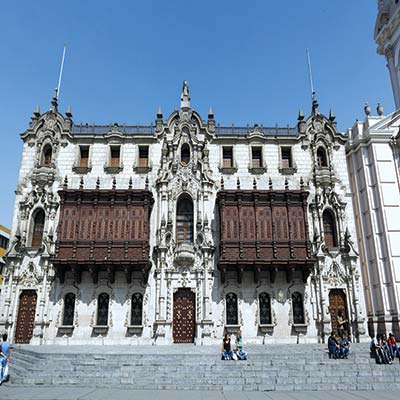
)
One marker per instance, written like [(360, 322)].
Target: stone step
[(291, 370)]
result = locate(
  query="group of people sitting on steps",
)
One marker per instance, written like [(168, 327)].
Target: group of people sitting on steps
[(237, 353), (339, 344), (383, 349)]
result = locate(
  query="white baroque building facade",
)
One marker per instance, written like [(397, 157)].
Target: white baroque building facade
[(181, 231), (373, 163)]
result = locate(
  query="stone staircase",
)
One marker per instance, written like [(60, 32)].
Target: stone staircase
[(184, 367)]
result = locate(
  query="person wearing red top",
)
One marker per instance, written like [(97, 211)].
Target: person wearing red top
[(392, 345)]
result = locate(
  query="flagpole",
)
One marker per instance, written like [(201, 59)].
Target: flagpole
[(61, 71)]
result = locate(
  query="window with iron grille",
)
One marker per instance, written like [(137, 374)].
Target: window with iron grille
[(298, 308), (143, 156), (69, 309), (264, 302), (102, 309), (286, 157), (231, 309), (115, 156), (38, 228), (136, 309), (321, 157), (84, 156), (256, 157), (184, 220), (329, 229), (185, 154), (227, 157), (47, 155)]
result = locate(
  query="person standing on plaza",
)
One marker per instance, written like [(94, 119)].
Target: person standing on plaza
[(341, 322), (4, 357)]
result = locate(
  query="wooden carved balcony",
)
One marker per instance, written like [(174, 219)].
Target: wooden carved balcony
[(103, 230), (264, 230)]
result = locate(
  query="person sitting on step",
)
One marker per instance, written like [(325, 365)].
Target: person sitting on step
[(241, 355), (227, 353), (385, 348), (333, 346), (344, 346), (392, 346)]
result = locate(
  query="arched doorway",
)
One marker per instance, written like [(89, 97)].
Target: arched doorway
[(26, 316), (183, 328), (338, 301)]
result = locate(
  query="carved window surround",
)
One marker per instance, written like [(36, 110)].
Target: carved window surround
[(287, 170), (81, 170), (113, 170)]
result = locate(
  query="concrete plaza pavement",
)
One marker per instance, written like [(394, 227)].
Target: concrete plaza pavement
[(11, 392)]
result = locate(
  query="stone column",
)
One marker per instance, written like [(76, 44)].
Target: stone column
[(394, 78)]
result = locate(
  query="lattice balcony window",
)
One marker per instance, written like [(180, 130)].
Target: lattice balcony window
[(115, 156), (322, 160), (47, 156), (69, 309), (227, 157), (231, 309)]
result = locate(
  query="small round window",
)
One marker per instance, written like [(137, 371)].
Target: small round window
[(185, 154)]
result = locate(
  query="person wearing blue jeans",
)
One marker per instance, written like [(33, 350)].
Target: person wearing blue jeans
[(333, 346), (241, 354), (344, 346), (392, 346), (227, 353), (4, 356)]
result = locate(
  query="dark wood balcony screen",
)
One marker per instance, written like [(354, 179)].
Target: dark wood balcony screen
[(104, 225), (263, 226)]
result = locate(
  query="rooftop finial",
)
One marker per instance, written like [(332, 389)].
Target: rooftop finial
[(332, 116), (286, 184), (238, 183), (222, 183), (367, 109), (270, 186), (146, 183), (98, 183), (314, 104), (81, 183), (114, 183), (301, 183), (185, 96), (130, 183), (66, 182), (379, 109), (210, 113), (159, 113), (54, 102), (254, 184), (68, 113)]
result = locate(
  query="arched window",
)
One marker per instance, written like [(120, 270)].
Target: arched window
[(231, 309), (298, 308), (136, 309), (322, 160), (264, 304), (69, 309), (185, 154), (329, 229), (102, 309), (47, 155), (38, 227), (184, 220)]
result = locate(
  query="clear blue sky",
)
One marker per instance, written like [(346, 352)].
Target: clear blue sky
[(125, 58)]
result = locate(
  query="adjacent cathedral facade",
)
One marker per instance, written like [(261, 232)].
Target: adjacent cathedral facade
[(181, 231)]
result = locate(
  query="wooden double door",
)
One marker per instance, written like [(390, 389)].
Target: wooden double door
[(26, 316), (184, 321), (337, 301)]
